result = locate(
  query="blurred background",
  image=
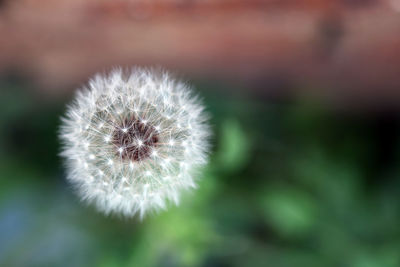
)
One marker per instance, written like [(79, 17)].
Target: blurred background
[(304, 97)]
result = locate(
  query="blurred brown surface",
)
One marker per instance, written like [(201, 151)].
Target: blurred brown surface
[(349, 47)]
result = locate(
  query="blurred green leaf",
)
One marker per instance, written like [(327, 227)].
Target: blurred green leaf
[(233, 151), (289, 211)]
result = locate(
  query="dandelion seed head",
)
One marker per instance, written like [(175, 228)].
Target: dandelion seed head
[(133, 141)]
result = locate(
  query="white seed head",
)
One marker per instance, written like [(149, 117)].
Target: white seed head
[(134, 140)]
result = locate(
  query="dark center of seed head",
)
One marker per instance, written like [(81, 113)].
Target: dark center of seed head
[(134, 140)]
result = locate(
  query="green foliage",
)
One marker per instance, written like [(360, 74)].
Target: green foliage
[(288, 185), (233, 150), (290, 212)]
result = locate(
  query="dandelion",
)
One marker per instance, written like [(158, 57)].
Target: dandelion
[(134, 141)]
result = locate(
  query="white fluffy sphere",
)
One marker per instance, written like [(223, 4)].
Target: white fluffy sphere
[(134, 140)]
